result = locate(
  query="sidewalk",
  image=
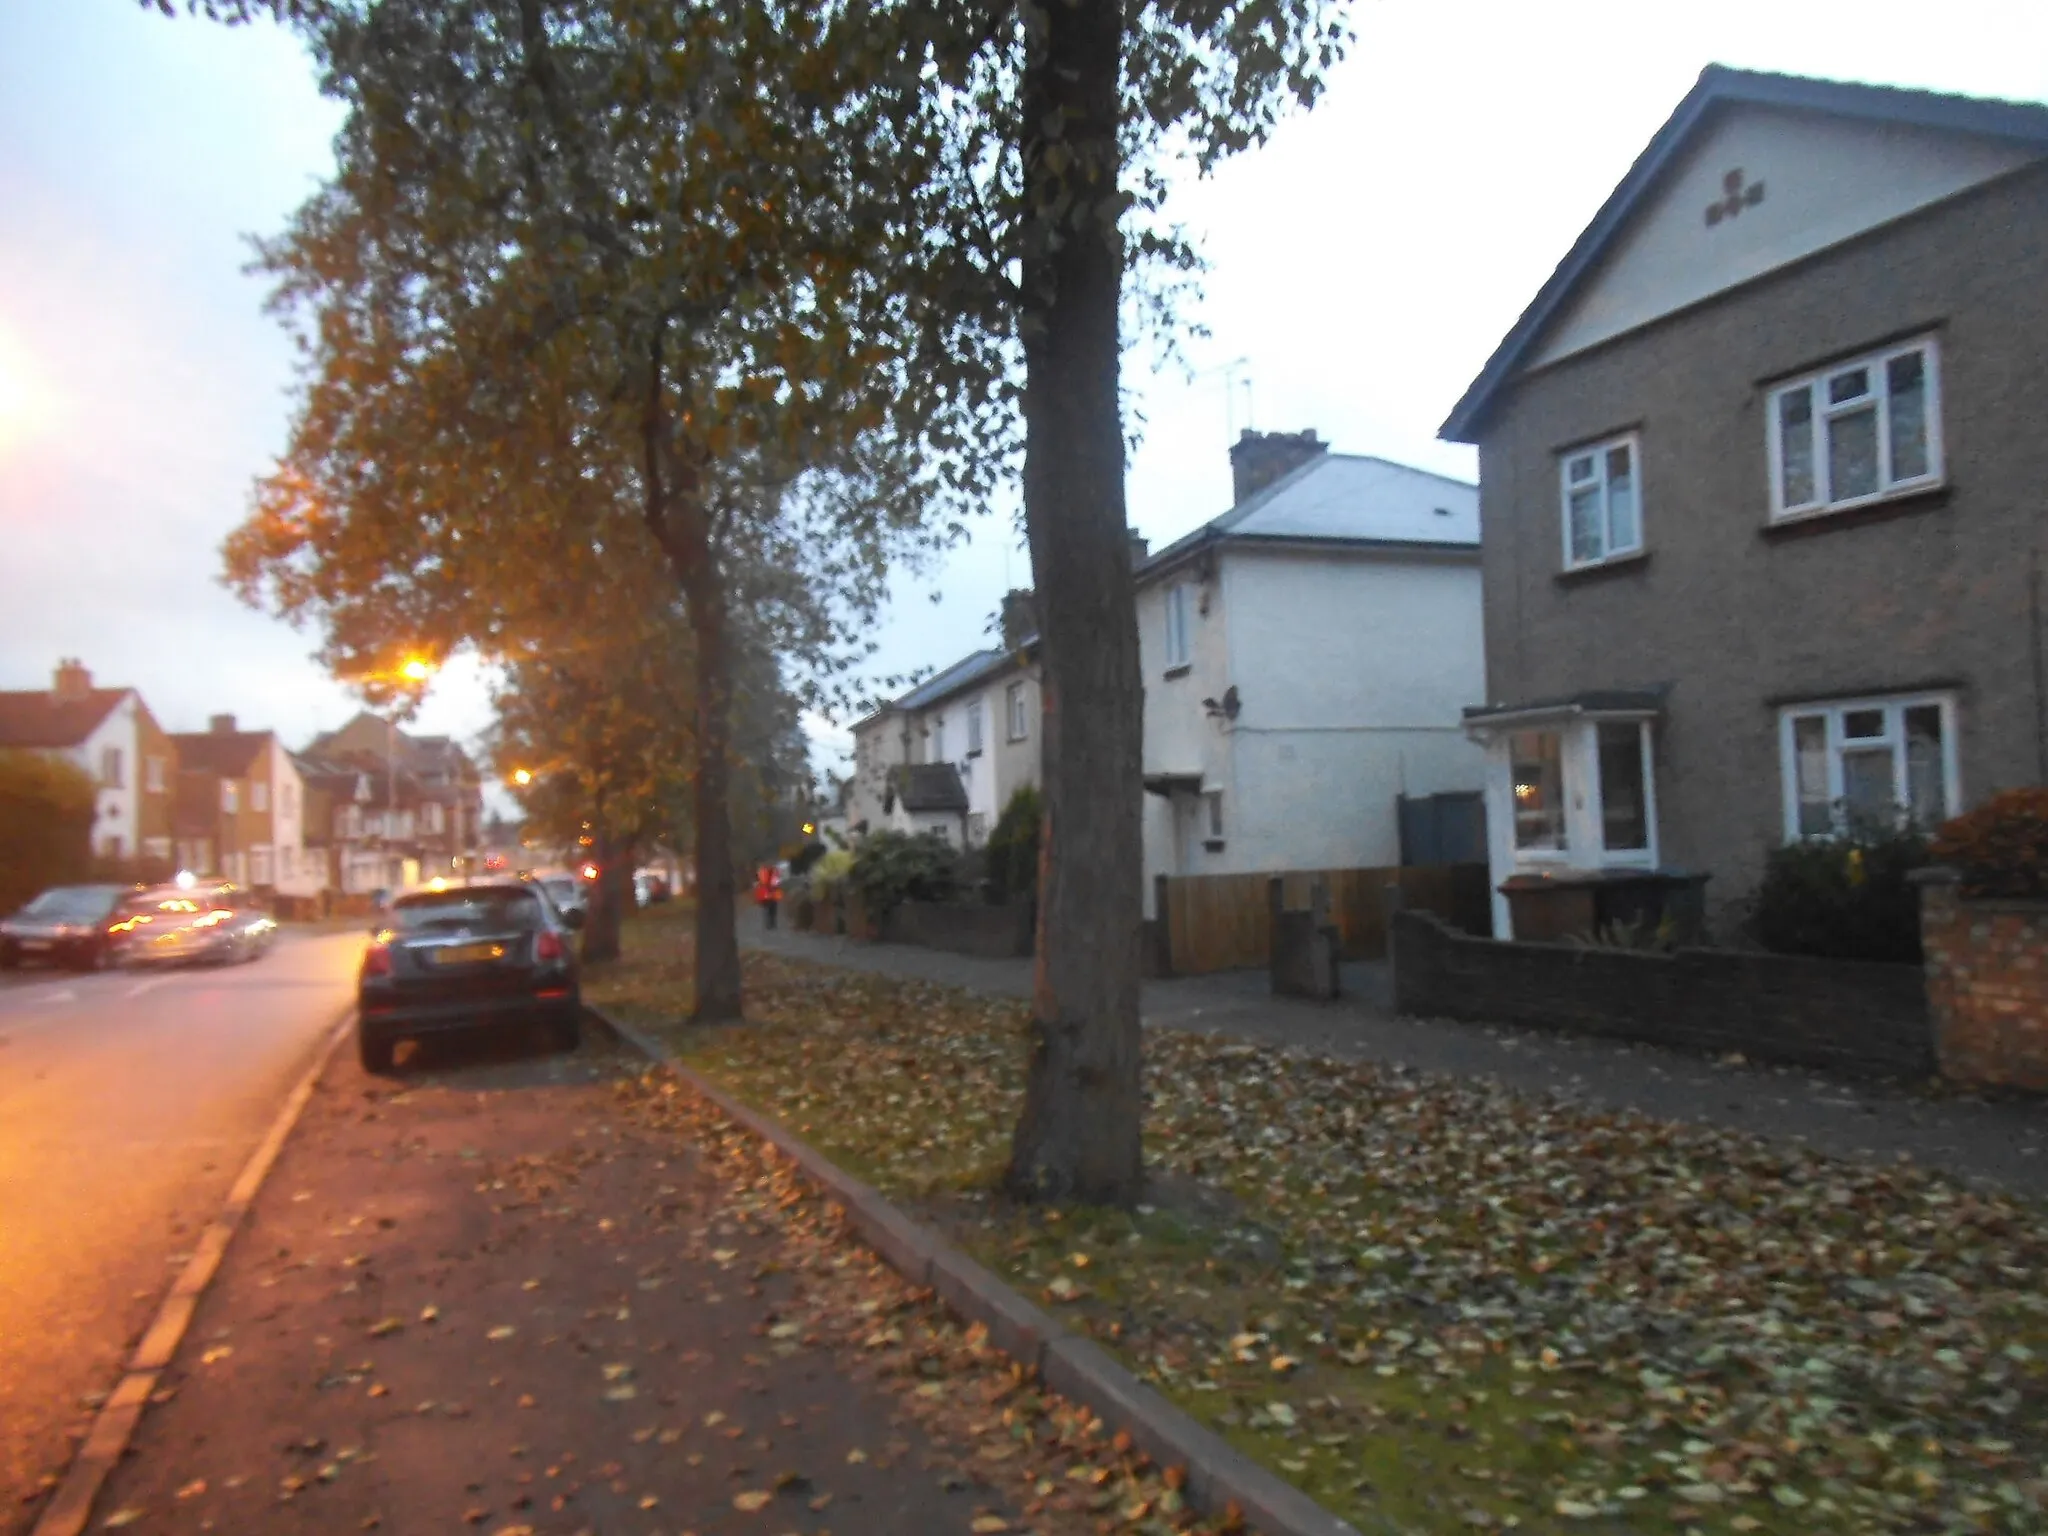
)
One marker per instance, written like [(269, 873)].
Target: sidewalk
[(517, 1294), (1999, 1143)]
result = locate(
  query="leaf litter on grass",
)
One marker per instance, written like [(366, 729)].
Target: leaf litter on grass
[(1438, 1303)]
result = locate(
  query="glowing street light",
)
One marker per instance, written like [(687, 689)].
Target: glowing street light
[(417, 669), (522, 777)]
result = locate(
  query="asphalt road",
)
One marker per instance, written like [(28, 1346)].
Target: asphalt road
[(128, 1103)]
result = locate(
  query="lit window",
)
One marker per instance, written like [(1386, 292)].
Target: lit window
[(1602, 489), (1867, 764), (1177, 640), (1537, 761), (1856, 432)]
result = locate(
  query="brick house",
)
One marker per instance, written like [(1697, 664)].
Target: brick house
[(112, 736), (411, 811), (240, 812), (1760, 480)]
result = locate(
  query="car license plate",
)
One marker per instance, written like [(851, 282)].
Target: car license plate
[(468, 954), (36, 944)]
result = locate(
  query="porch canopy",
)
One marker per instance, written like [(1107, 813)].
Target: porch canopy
[(1592, 704)]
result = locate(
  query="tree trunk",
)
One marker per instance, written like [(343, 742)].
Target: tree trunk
[(1079, 1134), (682, 528), (602, 911)]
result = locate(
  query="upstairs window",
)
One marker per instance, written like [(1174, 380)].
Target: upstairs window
[(153, 775), (1019, 722), (1602, 488), (259, 796), (1178, 647), (110, 768), (974, 729), (1856, 432), (230, 797)]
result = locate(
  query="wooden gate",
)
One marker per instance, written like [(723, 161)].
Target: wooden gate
[(1221, 922)]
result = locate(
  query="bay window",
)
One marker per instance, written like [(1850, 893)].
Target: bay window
[(1536, 761), (1857, 764), (1857, 431)]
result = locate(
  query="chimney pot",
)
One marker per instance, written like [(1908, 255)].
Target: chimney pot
[(72, 681), (221, 725), (1257, 459), (1020, 618)]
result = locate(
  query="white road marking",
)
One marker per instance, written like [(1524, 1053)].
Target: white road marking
[(147, 986)]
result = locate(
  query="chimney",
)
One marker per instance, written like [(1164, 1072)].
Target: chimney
[(1257, 459), (1020, 619), (1139, 548), (221, 725), (72, 682)]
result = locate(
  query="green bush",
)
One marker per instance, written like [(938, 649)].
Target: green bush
[(829, 873), (47, 808), (2000, 848), (890, 868), (1013, 847), (1843, 898)]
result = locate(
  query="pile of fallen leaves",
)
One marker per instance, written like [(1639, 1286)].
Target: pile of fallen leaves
[(1437, 1304)]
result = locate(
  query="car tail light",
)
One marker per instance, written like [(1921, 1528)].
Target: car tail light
[(548, 946), (377, 959)]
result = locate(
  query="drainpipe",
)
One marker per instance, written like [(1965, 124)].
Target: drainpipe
[(2040, 674)]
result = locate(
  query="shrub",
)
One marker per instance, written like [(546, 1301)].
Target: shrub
[(2000, 848), (1013, 847), (1843, 898), (47, 808), (890, 868), (829, 873)]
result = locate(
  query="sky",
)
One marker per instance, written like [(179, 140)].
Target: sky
[(1362, 265)]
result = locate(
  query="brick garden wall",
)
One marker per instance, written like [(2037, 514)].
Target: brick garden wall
[(1852, 1017), (988, 932), (1987, 986)]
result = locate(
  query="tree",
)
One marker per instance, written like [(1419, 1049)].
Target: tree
[(47, 808), (596, 288)]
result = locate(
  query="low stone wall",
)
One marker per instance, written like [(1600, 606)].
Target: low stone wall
[(1848, 1016), (1987, 984), (987, 932)]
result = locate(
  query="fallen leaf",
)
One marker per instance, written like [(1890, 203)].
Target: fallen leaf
[(752, 1500)]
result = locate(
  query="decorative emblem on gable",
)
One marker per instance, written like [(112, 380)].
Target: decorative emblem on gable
[(1736, 196)]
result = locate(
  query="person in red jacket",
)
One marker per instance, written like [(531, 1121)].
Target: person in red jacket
[(768, 892)]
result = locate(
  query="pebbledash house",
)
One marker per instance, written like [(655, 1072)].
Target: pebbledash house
[(1763, 485)]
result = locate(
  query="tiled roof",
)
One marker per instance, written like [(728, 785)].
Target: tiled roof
[(229, 754), (38, 718), (962, 674), (928, 787)]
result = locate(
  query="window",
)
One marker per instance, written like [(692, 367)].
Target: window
[(287, 801), (977, 828), (974, 728), (1868, 761), (1856, 432), (153, 775), (110, 767), (938, 739), (259, 866), (1537, 758), (1177, 643), (1624, 807), (1603, 515), (259, 796), (432, 812), (285, 863), (1019, 724), (1212, 816), (230, 797)]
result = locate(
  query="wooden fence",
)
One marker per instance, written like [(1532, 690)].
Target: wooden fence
[(1220, 922)]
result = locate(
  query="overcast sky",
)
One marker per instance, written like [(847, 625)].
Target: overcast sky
[(1363, 265)]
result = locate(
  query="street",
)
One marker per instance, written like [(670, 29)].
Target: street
[(129, 1103)]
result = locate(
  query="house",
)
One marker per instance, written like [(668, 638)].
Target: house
[(340, 800), (1306, 656), (240, 810), (1760, 472), (948, 755), (112, 736), (421, 811)]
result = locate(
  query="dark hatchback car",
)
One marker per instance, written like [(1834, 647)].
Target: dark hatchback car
[(495, 955), (66, 925)]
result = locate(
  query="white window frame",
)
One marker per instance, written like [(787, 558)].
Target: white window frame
[(1562, 853), (1020, 723), (259, 796), (1179, 643), (1212, 816), (1582, 840), (1622, 857), (974, 729), (111, 768), (1597, 453), (1894, 706), (153, 775), (230, 797), (1820, 412)]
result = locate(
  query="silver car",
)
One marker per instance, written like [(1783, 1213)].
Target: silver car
[(176, 927)]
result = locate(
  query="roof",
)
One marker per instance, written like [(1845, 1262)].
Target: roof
[(226, 753), (1591, 701), (38, 718), (1719, 86), (928, 787), (1344, 498), (964, 673)]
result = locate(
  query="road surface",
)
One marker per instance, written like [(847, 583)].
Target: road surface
[(128, 1103)]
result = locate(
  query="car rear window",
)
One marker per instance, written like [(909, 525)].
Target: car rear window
[(73, 903), (494, 910)]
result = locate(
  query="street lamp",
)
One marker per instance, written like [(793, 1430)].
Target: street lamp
[(522, 777)]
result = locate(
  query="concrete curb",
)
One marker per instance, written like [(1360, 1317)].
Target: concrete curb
[(67, 1513), (1218, 1474)]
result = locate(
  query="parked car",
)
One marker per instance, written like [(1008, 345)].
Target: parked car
[(493, 955), (566, 889), (217, 922), (65, 925)]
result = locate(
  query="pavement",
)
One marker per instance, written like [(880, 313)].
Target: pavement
[(2000, 1144), (496, 1291), (128, 1104)]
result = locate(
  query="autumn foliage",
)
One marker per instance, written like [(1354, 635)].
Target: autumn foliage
[(2000, 848)]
